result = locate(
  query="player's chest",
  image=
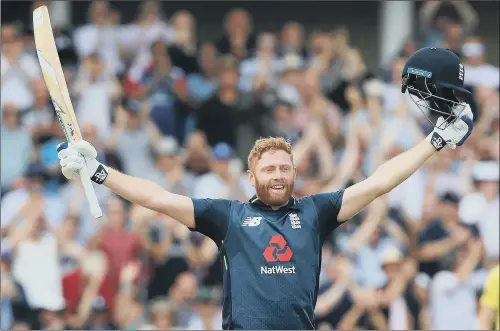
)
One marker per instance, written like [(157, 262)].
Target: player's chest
[(291, 233)]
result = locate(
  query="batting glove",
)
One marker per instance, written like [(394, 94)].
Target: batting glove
[(454, 134), (74, 157)]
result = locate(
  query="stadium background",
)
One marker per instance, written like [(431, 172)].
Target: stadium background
[(138, 270)]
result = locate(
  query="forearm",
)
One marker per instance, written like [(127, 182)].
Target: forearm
[(435, 250), (398, 169), (470, 262), (136, 190), (329, 299), (486, 318), (150, 195)]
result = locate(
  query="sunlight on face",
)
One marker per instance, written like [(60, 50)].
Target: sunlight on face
[(273, 177)]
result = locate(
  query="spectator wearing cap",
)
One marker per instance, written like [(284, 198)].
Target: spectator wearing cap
[(443, 234), (481, 207), (479, 72), (222, 181), (17, 148), (208, 315), (171, 173)]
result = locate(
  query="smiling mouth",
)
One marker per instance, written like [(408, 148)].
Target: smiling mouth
[(277, 187)]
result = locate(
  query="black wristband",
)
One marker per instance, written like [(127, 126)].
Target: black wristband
[(100, 175), (437, 141)]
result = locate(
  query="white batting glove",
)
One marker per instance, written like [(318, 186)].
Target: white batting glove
[(454, 134), (74, 157)]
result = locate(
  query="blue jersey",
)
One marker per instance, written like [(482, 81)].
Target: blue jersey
[(271, 259)]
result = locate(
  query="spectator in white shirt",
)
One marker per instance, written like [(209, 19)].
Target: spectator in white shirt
[(18, 70), (452, 292), (222, 181), (481, 207), (150, 26), (96, 92), (17, 145), (100, 36), (477, 71)]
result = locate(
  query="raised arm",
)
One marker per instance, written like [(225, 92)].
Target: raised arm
[(136, 190), (398, 169)]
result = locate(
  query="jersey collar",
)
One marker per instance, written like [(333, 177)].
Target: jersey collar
[(255, 201)]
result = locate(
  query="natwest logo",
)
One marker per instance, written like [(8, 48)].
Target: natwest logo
[(277, 269), (278, 250)]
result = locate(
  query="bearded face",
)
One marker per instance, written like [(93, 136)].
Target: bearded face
[(274, 178)]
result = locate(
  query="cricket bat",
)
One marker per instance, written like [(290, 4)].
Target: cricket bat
[(56, 84)]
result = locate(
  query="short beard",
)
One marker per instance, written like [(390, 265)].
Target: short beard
[(270, 199)]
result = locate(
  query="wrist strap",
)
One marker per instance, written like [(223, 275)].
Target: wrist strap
[(100, 174), (436, 140)]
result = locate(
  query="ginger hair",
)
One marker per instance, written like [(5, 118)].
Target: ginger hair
[(263, 145)]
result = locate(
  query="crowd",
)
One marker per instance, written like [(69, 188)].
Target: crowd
[(158, 103)]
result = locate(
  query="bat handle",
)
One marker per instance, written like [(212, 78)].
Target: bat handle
[(95, 209)]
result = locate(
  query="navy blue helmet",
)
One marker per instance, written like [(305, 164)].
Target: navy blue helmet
[(434, 79)]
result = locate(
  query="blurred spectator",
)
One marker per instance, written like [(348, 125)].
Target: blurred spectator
[(133, 137), (40, 119), (19, 70), (238, 38), (165, 88), (224, 180), (442, 31), (150, 26), (201, 85), (452, 293), (17, 144), (232, 105), (442, 235), (479, 72), (292, 40), (171, 173), (208, 315), (259, 73), (19, 204), (481, 207), (183, 51), (119, 245), (95, 93), (100, 36)]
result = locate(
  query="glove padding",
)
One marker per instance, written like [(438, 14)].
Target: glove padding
[(456, 133), (74, 157)]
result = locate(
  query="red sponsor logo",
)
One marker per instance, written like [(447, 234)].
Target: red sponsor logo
[(278, 250)]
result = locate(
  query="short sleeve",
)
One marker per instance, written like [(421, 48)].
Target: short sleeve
[(489, 298), (327, 207), (211, 218)]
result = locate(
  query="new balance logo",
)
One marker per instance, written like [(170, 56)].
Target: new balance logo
[(100, 175), (252, 221), (437, 141)]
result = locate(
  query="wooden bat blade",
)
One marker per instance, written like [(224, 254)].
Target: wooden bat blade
[(58, 90)]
